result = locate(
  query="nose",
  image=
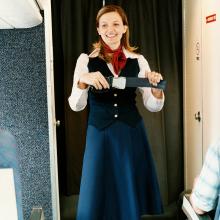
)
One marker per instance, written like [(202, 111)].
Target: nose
[(111, 28)]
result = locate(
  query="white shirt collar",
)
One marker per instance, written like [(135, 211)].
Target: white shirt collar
[(127, 53)]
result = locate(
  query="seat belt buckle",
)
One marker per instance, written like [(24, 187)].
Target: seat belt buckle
[(119, 82)]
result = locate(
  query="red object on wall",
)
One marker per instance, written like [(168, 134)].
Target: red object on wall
[(211, 18)]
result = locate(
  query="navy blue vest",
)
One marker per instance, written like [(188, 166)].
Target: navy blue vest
[(114, 104)]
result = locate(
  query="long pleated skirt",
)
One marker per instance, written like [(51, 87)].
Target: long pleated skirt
[(118, 181)]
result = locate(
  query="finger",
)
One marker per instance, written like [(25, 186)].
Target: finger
[(154, 83), (98, 84), (158, 76), (150, 76), (161, 77), (93, 80), (155, 78), (95, 85), (104, 82)]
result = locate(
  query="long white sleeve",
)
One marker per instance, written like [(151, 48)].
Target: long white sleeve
[(150, 102), (206, 188), (78, 97)]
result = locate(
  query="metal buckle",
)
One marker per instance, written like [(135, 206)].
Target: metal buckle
[(119, 82)]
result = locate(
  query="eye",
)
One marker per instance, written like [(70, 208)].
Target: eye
[(103, 25), (116, 24)]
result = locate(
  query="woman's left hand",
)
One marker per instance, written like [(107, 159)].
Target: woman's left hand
[(154, 78)]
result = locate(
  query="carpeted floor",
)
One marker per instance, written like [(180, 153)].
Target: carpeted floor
[(68, 207)]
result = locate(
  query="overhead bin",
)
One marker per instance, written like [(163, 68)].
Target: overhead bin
[(19, 14)]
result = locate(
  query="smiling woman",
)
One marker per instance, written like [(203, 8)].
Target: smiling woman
[(118, 178)]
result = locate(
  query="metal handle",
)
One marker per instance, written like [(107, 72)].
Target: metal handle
[(198, 116), (58, 123)]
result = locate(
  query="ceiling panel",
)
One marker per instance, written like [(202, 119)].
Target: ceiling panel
[(19, 14), (5, 25)]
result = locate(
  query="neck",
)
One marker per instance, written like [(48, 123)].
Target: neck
[(112, 46)]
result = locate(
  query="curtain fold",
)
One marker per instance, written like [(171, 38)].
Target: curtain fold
[(73, 32), (155, 26)]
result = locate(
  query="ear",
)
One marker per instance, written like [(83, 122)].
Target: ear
[(98, 31), (125, 28)]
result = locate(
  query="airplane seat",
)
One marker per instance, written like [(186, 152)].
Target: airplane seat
[(9, 168), (192, 215)]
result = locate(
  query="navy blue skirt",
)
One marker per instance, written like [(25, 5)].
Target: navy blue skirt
[(118, 181)]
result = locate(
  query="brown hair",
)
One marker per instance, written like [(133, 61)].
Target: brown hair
[(125, 38)]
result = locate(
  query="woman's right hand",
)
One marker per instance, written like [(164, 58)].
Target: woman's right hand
[(95, 79)]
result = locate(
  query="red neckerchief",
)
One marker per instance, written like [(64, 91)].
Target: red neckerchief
[(118, 57)]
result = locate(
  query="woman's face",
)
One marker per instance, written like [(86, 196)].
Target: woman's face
[(111, 29)]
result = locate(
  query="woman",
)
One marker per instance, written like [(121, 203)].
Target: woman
[(118, 178)]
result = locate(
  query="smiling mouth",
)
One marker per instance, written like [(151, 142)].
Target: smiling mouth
[(111, 36)]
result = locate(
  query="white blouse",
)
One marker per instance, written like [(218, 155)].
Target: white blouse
[(78, 97)]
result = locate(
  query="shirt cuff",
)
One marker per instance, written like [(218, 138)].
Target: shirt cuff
[(201, 203), (153, 101), (78, 98)]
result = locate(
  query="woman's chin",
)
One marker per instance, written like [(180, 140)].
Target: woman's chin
[(113, 43)]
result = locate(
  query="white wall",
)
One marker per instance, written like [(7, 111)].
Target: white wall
[(201, 82)]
